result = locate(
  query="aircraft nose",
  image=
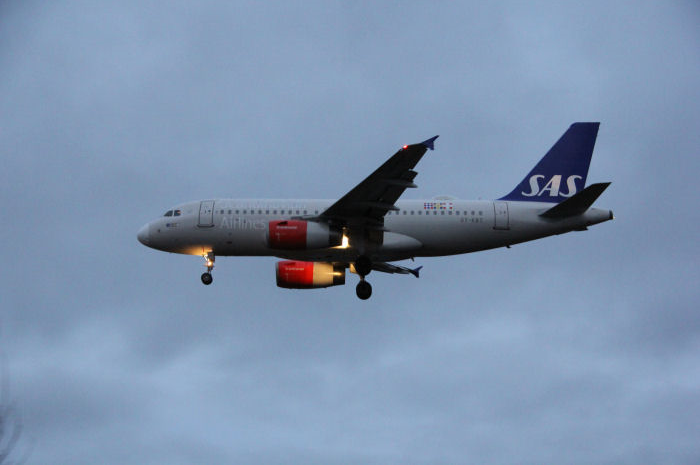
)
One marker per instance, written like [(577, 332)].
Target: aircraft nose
[(143, 234)]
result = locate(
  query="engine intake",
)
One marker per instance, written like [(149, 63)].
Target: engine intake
[(293, 274), (301, 235)]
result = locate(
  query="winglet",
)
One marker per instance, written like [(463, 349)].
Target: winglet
[(430, 143), (416, 271)]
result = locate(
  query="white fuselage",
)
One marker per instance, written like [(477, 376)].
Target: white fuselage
[(419, 228)]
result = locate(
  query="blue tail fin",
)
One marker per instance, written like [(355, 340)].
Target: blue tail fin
[(563, 170)]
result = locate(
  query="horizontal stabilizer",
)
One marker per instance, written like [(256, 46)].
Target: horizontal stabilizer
[(578, 203)]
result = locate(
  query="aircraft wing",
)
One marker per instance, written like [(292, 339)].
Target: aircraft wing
[(367, 203), (389, 268)]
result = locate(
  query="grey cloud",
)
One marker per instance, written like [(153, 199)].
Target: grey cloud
[(575, 349)]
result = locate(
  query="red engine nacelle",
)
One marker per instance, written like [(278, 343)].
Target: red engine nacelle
[(293, 274), (301, 235)]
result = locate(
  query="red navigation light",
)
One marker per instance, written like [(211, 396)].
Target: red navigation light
[(405, 147)]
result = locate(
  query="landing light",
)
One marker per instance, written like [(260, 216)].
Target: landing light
[(344, 244)]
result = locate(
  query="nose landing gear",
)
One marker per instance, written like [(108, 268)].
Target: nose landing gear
[(363, 266), (206, 277)]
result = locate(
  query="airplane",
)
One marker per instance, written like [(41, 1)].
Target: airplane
[(367, 228)]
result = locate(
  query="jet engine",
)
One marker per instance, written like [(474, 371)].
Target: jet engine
[(301, 235), (293, 274)]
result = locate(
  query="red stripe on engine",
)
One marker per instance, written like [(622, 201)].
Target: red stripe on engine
[(287, 234), (295, 274)]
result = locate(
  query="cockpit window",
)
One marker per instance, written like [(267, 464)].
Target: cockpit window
[(176, 213), (168, 213)]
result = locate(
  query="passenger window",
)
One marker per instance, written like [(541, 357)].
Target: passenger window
[(274, 212), (237, 212), (316, 212), (245, 212), (412, 212), (404, 212), (267, 212), (435, 212), (297, 212), (259, 212), (473, 213), (420, 212), (481, 213), (457, 212), (442, 212), (449, 213), (304, 212)]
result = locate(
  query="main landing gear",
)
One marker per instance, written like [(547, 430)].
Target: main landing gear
[(363, 289), (363, 266), (206, 277)]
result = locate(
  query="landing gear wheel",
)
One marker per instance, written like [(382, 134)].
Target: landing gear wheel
[(363, 290), (363, 265), (209, 263)]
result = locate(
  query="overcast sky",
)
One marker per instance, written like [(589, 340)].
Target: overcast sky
[(581, 348)]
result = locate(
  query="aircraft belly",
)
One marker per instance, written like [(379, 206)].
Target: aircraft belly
[(450, 235), (240, 242)]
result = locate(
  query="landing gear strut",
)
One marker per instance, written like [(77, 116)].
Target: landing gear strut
[(206, 277), (363, 266)]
